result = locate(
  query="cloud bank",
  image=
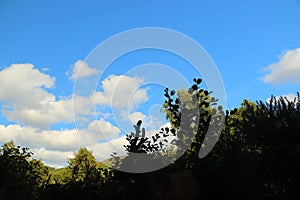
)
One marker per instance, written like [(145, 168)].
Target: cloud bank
[(29, 106)]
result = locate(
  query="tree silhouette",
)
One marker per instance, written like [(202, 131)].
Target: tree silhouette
[(20, 176), (257, 156)]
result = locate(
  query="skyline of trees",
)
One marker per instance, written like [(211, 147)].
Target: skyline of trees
[(257, 156)]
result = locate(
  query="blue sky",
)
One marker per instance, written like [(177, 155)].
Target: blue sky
[(48, 38)]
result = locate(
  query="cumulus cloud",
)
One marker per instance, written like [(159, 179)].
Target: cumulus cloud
[(103, 130), (48, 113), (132, 118), (290, 97), (54, 147), (121, 92), (81, 69), (25, 98), (22, 83), (60, 140), (102, 151), (23, 93), (30, 103), (286, 70), (55, 159)]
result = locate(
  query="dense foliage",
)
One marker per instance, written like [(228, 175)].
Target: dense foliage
[(257, 156)]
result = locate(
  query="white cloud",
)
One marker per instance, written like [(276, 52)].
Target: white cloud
[(25, 86), (48, 113), (103, 130), (102, 151), (25, 98), (45, 69), (286, 70), (152, 132), (290, 97), (81, 69), (121, 92), (60, 140), (55, 159), (54, 147), (132, 118)]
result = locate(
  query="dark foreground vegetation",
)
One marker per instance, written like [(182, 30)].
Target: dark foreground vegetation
[(256, 157)]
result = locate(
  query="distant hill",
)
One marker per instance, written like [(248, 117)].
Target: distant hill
[(108, 162), (63, 175)]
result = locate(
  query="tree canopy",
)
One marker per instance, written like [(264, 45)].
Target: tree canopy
[(257, 156)]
